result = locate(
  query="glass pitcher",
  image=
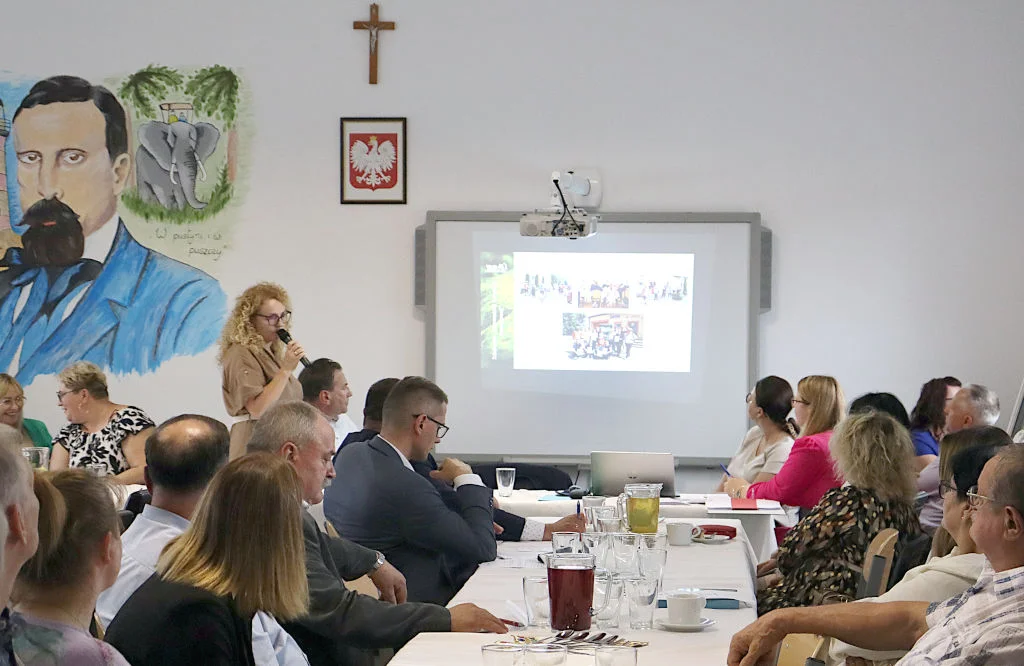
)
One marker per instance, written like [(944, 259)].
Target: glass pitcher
[(571, 591), (639, 505)]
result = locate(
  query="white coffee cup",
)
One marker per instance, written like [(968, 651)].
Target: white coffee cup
[(681, 534), (684, 608)]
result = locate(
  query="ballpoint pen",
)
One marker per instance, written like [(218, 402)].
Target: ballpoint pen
[(725, 469)]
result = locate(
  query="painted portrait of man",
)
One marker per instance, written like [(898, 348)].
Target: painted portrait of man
[(82, 287)]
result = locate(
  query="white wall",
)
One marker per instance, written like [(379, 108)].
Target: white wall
[(882, 142)]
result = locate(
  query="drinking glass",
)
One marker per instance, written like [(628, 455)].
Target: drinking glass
[(624, 553), (545, 654), (608, 596), (615, 655), (657, 540), (609, 524), (502, 654), (652, 563), (535, 594), (642, 595), (99, 469), (565, 542), (506, 477), (38, 456)]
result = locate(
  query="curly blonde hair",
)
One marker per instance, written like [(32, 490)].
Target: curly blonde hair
[(873, 451), (238, 330)]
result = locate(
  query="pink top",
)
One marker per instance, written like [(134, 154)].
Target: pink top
[(805, 477)]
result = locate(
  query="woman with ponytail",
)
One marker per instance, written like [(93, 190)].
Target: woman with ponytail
[(79, 556), (766, 446)]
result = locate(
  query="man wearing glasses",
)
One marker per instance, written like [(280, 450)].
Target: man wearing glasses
[(983, 626), (379, 501)]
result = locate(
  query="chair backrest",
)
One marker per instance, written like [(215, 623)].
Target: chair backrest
[(803, 650), (878, 563), (912, 552), (126, 519), (528, 476)]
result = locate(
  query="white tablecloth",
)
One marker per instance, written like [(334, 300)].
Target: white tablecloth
[(759, 525), (495, 584)]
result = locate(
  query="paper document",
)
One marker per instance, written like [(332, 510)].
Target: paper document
[(722, 502)]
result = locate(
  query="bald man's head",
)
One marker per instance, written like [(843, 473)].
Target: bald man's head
[(184, 453)]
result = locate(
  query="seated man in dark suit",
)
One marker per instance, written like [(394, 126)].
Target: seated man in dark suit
[(378, 500), (508, 526)]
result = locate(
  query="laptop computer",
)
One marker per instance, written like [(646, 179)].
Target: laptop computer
[(610, 471)]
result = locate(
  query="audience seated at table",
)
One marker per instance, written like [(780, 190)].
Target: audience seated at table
[(211, 580), (973, 405), (342, 624), (325, 386), (12, 413), (102, 436), (380, 501), (928, 418), (820, 559), (941, 577), (78, 556), (182, 456), (982, 625), (808, 472), (766, 446)]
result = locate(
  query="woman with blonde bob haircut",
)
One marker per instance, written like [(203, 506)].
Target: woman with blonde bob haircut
[(12, 413), (808, 473), (820, 559), (242, 553), (258, 369)]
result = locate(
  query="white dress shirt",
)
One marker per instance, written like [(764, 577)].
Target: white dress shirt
[(460, 480), (141, 545), (343, 425)]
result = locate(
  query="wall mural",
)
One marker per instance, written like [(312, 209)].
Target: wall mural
[(117, 199)]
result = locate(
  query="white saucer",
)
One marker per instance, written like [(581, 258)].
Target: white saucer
[(705, 622), (712, 539)]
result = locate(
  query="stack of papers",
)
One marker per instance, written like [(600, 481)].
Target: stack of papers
[(722, 502)]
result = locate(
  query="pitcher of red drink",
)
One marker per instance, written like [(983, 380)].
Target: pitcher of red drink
[(571, 591)]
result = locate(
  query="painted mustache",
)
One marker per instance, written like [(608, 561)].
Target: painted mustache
[(54, 236)]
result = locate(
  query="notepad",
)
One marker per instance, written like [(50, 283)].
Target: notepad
[(744, 503)]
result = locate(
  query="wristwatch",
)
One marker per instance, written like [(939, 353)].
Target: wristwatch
[(379, 563)]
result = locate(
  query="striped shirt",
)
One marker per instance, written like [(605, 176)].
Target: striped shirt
[(984, 626)]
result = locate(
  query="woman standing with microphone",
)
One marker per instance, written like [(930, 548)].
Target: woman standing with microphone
[(258, 368)]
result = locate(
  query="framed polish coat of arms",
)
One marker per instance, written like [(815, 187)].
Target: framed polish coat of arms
[(373, 161)]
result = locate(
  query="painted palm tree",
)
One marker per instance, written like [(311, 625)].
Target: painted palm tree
[(214, 92)]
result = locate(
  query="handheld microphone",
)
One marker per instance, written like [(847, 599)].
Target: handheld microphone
[(286, 337)]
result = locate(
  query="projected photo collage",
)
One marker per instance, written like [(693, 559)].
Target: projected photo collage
[(596, 311)]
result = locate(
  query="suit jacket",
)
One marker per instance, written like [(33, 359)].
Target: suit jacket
[(168, 624), (378, 502), (343, 623), (509, 522), (141, 310)]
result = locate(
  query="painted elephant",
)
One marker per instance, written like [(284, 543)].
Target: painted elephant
[(169, 157)]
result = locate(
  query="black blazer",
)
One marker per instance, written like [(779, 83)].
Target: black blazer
[(343, 624), (378, 502), (511, 523), (169, 624)]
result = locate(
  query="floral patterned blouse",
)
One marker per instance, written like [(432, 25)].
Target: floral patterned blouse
[(822, 557), (103, 447)]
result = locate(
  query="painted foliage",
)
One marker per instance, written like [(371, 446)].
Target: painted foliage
[(117, 200)]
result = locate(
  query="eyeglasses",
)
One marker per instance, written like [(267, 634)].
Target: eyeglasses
[(61, 394), (799, 401), (274, 319), (946, 487), (442, 429), (11, 402), (976, 500)]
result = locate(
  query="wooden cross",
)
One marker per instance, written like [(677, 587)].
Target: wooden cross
[(374, 26)]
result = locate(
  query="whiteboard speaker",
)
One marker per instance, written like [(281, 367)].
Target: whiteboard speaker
[(420, 256), (766, 270)]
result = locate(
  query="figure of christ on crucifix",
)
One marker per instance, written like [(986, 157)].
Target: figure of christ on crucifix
[(374, 25)]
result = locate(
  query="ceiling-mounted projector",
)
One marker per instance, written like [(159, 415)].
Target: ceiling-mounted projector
[(566, 218), (574, 223)]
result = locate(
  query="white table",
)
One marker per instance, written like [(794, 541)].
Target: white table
[(759, 525), (494, 585)]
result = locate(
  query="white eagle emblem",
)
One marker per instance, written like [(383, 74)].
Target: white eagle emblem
[(373, 162)]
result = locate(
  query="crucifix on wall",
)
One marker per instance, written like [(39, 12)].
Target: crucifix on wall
[(374, 25)]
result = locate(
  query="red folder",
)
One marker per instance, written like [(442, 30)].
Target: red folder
[(744, 504)]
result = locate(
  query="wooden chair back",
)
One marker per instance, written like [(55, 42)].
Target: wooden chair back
[(878, 563)]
